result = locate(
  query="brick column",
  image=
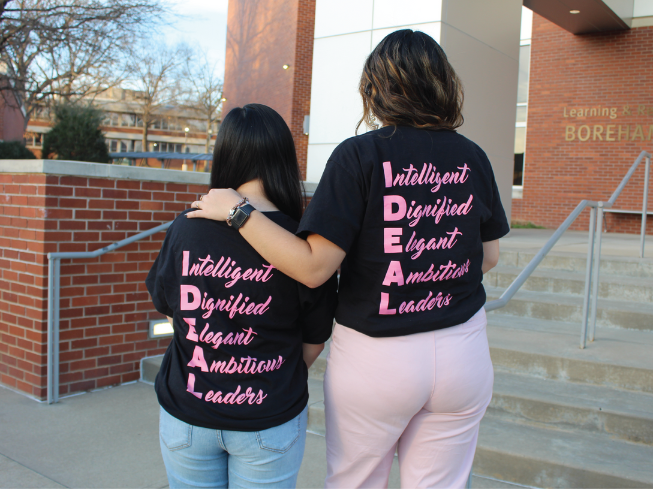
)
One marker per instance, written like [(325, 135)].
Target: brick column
[(50, 206)]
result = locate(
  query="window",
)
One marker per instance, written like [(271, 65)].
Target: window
[(524, 71), (113, 146), (522, 112), (34, 139), (520, 146), (123, 146)]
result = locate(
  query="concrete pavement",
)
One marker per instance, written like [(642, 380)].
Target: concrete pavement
[(108, 439)]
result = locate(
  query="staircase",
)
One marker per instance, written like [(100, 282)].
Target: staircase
[(561, 416)]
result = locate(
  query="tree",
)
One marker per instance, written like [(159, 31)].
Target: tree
[(15, 150), (76, 135), (154, 76), (205, 94), (55, 50)]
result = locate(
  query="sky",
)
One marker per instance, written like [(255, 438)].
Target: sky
[(202, 24)]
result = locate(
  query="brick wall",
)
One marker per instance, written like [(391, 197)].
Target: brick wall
[(105, 306), (563, 166)]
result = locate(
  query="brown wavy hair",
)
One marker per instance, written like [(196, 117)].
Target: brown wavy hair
[(408, 81)]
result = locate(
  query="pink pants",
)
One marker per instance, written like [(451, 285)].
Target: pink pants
[(421, 395)]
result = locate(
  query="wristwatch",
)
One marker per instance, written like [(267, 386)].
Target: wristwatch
[(240, 215)]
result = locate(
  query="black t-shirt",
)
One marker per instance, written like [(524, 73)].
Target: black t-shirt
[(411, 208), (235, 361)]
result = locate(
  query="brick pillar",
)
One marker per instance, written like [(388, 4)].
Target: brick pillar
[(301, 96), (105, 307), (262, 37)]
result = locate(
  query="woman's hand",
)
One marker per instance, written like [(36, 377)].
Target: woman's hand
[(216, 204)]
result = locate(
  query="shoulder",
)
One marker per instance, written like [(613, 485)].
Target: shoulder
[(186, 229)]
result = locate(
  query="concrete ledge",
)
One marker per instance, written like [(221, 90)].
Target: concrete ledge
[(105, 170), (150, 367), (102, 170)]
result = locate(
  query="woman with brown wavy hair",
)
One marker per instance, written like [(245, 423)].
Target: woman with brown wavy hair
[(412, 214)]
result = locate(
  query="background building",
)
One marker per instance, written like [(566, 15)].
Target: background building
[(523, 74), (176, 129)]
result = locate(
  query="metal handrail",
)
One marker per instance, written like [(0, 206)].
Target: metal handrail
[(593, 258), (54, 274)]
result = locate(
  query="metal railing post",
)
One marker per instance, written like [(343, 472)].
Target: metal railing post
[(54, 272), (50, 327), (595, 271), (644, 208), (55, 331), (588, 278)]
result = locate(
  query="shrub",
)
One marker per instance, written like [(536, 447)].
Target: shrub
[(76, 135), (15, 150)]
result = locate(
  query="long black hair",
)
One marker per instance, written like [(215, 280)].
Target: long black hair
[(255, 142)]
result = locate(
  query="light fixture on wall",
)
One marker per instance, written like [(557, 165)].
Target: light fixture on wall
[(285, 67), (574, 11), (223, 99), (160, 328)]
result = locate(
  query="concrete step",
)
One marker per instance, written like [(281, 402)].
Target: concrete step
[(618, 358), (575, 262), (315, 407), (612, 287), (616, 413), (542, 457), (150, 367), (567, 307)]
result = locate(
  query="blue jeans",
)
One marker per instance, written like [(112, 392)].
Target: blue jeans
[(201, 457)]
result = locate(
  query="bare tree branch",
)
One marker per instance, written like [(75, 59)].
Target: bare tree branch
[(54, 49), (205, 92), (154, 75)]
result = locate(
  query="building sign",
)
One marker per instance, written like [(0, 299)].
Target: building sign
[(620, 130)]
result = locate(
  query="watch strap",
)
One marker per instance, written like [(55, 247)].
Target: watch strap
[(241, 215)]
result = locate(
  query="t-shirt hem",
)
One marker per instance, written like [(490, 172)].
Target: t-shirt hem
[(304, 232), (246, 425), (373, 331), (495, 235)]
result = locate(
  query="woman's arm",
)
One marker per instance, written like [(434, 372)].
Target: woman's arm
[(312, 261), (311, 352), (490, 255)]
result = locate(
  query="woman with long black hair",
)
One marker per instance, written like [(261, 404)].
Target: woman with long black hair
[(412, 212), (233, 382)]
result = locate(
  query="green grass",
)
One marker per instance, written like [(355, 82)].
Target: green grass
[(525, 225)]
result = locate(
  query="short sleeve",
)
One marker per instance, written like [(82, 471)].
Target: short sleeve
[(317, 308), (156, 280), (496, 226), (337, 209)]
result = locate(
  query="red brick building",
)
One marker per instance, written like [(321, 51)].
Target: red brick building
[(590, 114)]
